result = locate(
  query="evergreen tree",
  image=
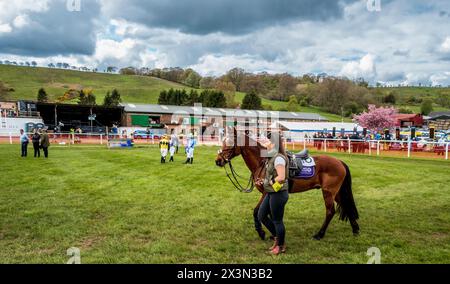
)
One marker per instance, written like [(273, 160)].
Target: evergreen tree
[(293, 104), (107, 102), (216, 99), (163, 95), (112, 99), (115, 97), (426, 107), (251, 101), (42, 96), (86, 98), (192, 98)]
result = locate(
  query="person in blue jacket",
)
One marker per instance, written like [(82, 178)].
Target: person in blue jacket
[(24, 140), (190, 146)]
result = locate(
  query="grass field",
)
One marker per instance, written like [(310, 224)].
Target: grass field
[(403, 93), (122, 206), (26, 81)]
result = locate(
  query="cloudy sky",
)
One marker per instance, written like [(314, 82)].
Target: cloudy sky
[(391, 41)]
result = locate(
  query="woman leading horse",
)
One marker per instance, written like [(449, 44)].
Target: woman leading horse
[(271, 210), (331, 175)]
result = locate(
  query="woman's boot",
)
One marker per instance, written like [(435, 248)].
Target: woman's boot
[(275, 243), (277, 249)]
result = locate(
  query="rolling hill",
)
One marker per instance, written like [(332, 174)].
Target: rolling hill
[(26, 82)]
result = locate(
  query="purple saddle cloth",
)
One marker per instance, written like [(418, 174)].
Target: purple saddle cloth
[(301, 168), (306, 173)]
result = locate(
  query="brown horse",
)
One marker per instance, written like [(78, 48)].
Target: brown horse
[(332, 176)]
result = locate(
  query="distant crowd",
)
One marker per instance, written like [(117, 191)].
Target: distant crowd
[(8, 113), (353, 136)]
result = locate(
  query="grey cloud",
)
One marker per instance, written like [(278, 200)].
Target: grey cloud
[(395, 76), (399, 52), (55, 31), (444, 14), (445, 57), (230, 16)]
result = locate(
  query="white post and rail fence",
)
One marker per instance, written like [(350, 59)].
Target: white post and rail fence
[(406, 149)]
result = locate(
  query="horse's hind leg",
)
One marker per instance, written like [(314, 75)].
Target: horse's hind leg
[(353, 223), (330, 211), (355, 227), (258, 226)]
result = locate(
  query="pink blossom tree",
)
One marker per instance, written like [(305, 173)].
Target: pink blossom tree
[(377, 119)]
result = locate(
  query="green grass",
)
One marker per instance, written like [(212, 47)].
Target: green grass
[(416, 108), (143, 89), (419, 92), (122, 206), (26, 81), (277, 105), (403, 93)]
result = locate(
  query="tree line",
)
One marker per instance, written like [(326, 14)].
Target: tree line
[(84, 97), (336, 95), (60, 65), (208, 98)]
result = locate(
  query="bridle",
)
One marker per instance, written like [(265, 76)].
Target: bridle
[(233, 175)]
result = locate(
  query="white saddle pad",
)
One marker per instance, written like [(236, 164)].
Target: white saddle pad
[(309, 162)]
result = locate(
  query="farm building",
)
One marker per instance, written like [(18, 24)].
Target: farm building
[(183, 119), (409, 120), (298, 130), (159, 118), (439, 120)]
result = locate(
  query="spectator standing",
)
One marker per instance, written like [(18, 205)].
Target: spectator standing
[(24, 140), (35, 139), (45, 143)]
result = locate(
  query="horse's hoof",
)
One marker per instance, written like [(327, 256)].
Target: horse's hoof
[(317, 237), (356, 233)]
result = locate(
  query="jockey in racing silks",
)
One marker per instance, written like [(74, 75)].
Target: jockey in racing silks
[(190, 146), (173, 146), (164, 148)]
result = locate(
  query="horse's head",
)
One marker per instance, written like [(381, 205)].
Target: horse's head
[(229, 149)]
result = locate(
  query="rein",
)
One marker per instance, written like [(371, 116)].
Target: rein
[(233, 177)]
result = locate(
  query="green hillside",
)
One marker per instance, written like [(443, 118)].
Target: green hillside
[(26, 82), (411, 97)]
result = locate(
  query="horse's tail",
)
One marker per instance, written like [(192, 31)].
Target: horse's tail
[(347, 207)]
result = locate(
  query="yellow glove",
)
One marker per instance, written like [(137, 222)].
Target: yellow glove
[(277, 186)]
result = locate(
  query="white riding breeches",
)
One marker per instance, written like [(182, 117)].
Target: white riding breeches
[(190, 153)]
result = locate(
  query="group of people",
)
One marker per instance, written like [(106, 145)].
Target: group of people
[(169, 145), (8, 113), (329, 136), (39, 139)]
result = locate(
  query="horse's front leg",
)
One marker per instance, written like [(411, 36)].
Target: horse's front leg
[(258, 226)]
